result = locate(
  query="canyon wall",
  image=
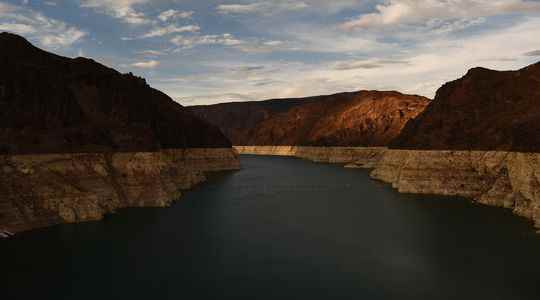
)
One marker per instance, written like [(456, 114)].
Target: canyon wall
[(365, 156), (47, 189), (495, 178), (79, 140), (363, 118)]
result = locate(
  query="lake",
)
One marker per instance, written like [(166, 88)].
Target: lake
[(283, 228)]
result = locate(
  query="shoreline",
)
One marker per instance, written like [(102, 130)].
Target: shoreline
[(495, 178), (40, 190)]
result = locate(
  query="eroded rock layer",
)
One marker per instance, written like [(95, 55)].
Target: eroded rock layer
[(47, 189), (361, 156), (504, 179), (79, 140)]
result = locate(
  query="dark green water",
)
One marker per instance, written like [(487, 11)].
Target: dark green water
[(282, 229)]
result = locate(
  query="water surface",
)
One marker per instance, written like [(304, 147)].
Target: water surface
[(283, 228)]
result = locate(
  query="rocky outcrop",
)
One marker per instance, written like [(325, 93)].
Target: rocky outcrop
[(46, 189), (365, 118), (504, 179), (79, 140), (486, 110)]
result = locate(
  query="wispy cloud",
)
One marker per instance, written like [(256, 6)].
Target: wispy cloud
[(49, 32), (186, 42), (151, 52), (151, 64), (121, 9), (367, 64), (533, 53), (406, 12), (262, 7), (169, 29), (172, 14)]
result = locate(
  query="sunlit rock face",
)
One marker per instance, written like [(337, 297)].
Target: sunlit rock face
[(484, 110), (365, 118), (79, 140)]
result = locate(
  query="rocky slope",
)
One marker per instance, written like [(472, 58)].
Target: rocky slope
[(365, 118), (504, 179), (79, 140), (484, 110), (55, 104), (364, 157), (47, 189), (490, 121)]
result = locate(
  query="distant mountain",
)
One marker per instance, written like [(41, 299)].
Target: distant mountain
[(484, 110), (50, 103), (365, 118)]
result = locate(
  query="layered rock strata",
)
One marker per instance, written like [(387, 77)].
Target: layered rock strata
[(504, 179), (364, 156), (79, 140), (47, 189)]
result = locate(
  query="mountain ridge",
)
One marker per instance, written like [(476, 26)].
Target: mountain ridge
[(54, 104)]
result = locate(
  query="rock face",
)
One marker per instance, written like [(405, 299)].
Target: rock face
[(504, 179), (365, 118), (79, 140), (365, 157), (53, 104), (479, 138), (47, 189), (485, 110)]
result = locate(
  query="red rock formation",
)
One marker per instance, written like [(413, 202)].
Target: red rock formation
[(484, 110), (50, 103), (365, 118)]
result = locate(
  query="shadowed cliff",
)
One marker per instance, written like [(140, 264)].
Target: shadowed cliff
[(50, 103), (365, 118), (484, 110)]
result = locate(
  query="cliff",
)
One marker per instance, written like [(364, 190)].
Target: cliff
[(54, 104), (47, 189), (79, 140), (365, 118), (366, 157), (484, 110), (504, 179)]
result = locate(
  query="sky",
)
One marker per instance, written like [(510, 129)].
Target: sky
[(205, 52)]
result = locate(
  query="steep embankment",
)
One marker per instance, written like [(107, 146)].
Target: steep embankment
[(78, 140), (484, 110), (365, 118), (480, 117)]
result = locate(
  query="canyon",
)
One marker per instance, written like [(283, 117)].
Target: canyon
[(79, 140), (477, 139)]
